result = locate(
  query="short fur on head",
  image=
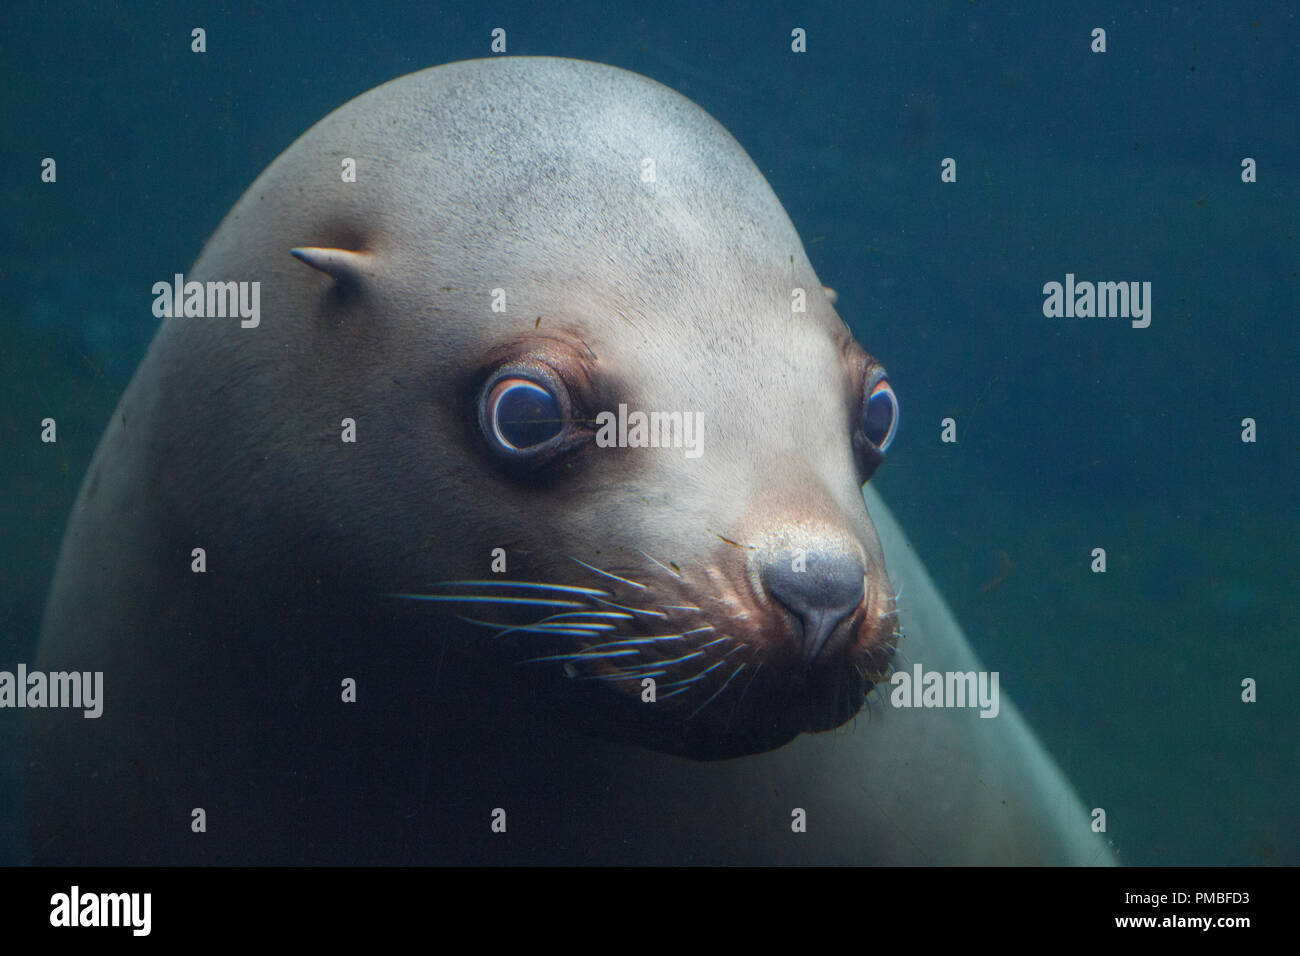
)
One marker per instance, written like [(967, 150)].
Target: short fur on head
[(670, 292)]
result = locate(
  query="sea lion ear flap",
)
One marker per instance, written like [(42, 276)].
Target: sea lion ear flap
[(345, 266), (831, 294)]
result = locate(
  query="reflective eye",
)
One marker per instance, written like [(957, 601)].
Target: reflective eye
[(880, 416), (523, 414)]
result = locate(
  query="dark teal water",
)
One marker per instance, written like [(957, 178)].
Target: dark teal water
[(1073, 433)]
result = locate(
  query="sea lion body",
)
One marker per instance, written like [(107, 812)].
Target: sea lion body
[(519, 182)]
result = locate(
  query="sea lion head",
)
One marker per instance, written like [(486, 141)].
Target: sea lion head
[(542, 267)]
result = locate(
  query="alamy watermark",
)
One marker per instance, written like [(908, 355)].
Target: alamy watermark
[(1102, 300), (74, 689), (651, 430), (209, 300), (922, 688), (76, 908)]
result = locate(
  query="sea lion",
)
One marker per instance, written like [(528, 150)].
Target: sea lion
[(366, 585)]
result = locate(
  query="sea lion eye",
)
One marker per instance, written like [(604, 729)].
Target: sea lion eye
[(880, 415), (521, 414)]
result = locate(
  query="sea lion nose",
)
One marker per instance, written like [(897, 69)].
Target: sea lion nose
[(821, 588)]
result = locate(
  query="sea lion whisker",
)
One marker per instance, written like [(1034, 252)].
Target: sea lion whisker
[(679, 660), (641, 670), (578, 656), (654, 639), (576, 626), (683, 683), (533, 585), (546, 623), (607, 574), (719, 640), (752, 675), (675, 573), (634, 610), (679, 607), (578, 620), (609, 615), (487, 599), (853, 699), (627, 642), (499, 627), (621, 676), (534, 629), (537, 627), (680, 690), (718, 692), (712, 667), (874, 703)]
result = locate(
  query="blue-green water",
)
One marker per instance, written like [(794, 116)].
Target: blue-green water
[(1073, 433)]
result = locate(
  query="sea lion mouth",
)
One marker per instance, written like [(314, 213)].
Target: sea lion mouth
[(691, 663)]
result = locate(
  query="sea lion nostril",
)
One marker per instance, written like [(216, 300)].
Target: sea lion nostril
[(820, 588)]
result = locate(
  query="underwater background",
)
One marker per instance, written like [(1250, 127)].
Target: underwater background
[(1073, 433)]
